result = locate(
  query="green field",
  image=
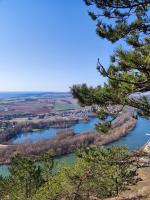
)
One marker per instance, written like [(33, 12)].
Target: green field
[(65, 107)]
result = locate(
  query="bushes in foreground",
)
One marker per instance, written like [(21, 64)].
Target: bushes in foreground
[(97, 172)]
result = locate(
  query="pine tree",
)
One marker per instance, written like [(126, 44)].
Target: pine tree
[(129, 70), (127, 16), (25, 178)]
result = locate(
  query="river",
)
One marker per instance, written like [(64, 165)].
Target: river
[(31, 137), (135, 139)]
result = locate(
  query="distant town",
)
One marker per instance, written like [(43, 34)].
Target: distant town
[(34, 112)]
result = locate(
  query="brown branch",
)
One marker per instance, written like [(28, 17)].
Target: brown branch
[(101, 69), (129, 5)]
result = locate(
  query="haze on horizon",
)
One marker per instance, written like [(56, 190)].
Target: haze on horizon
[(48, 45)]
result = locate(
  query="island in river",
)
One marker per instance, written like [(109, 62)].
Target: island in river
[(33, 112), (67, 141), (29, 112)]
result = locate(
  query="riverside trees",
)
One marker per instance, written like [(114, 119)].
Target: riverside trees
[(129, 71), (98, 172)]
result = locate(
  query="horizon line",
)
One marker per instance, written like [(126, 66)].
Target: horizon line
[(35, 91)]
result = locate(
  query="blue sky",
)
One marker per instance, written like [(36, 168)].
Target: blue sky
[(48, 45)]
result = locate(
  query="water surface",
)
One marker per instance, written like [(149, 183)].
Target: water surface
[(133, 140), (31, 137), (137, 137)]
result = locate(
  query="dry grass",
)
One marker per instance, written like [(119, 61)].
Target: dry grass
[(140, 191), (67, 141)]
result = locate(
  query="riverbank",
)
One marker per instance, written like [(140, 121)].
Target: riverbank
[(146, 147), (67, 141), (17, 126)]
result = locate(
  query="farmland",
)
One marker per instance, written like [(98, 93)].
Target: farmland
[(32, 112)]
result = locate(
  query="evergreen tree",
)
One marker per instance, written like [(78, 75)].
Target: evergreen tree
[(118, 19), (98, 172), (4, 189), (47, 166), (129, 71), (25, 178)]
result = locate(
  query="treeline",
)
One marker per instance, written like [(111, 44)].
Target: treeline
[(98, 173), (12, 129), (68, 141), (62, 143)]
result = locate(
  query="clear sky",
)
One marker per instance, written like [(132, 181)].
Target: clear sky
[(48, 45)]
